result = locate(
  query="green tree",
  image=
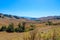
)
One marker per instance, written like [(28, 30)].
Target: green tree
[(23, 26), (16, 29), (20, 28), (10, 28), (3, 28)]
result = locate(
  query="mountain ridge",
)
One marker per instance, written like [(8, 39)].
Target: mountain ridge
[(29, 18)]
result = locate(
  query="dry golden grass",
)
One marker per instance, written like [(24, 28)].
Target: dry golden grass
[(43, 33)]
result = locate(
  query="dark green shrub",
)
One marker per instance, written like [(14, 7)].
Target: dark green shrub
[(32, 27), (23, 26), (49, 23), (20, 28), (16, 29), (3, 28), (10, 28)]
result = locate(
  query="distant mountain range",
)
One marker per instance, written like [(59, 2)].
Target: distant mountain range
[(29, 18)]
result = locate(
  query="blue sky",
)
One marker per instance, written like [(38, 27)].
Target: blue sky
[(30, 8)]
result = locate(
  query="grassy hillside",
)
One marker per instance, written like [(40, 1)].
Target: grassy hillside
[(42, 29), (43, 33)]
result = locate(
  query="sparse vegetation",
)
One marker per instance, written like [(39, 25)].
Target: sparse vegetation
[(23, 26), (3, 28), (10, 28), (49, 23), (32, 27), (20, 28)]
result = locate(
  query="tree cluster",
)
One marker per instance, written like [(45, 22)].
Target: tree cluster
[(20, 28)]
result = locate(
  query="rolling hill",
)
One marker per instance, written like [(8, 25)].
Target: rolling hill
[(5, 19)]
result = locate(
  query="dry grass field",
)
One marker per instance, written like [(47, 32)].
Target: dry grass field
[(43, 33)]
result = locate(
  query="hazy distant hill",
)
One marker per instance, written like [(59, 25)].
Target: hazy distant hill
[(30, 18)]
